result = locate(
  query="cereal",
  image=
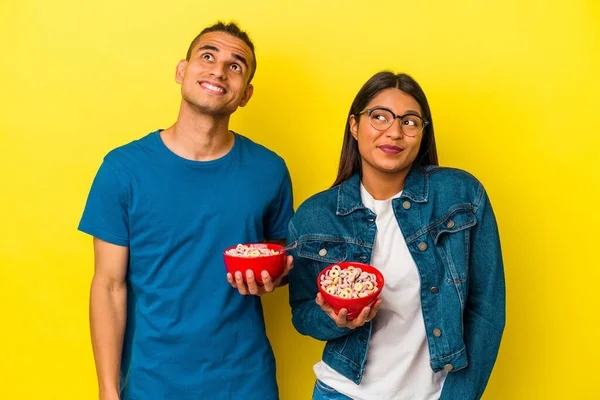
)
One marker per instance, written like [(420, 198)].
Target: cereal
[(349, 283), (251, 251)]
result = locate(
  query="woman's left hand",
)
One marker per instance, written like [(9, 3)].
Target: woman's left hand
[(366, 315)]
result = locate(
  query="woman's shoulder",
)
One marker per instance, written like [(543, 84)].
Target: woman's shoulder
[(318, 205), (451, 185), (447, 177), (325, 199)]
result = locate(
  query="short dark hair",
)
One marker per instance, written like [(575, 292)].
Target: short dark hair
[(350, 160), (232, 29)]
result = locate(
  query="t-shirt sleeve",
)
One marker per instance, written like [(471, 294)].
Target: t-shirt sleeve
[(280, 210), (106, 211)]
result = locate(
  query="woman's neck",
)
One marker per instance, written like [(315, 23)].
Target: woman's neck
[(383, 185)]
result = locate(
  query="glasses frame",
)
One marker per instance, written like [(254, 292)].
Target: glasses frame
[(369, 111)]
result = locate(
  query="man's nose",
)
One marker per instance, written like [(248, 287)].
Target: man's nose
[(218, 71)]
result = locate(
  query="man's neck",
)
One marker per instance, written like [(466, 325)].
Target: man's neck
[(199, 137)]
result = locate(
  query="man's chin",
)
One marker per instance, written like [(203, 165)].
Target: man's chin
[(212, 110)]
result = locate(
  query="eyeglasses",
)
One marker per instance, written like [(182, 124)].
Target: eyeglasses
[(382, 118)]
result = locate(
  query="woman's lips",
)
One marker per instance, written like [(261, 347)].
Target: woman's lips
[(390, 149)]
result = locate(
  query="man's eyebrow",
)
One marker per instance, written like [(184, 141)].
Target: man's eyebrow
[(208, 47), (241, 59), (238, 57)]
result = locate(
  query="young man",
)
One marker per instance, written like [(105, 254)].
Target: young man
[(165, 323)]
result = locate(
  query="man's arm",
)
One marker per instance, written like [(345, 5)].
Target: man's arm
[(108, 311), (284, 278), (275, 226)]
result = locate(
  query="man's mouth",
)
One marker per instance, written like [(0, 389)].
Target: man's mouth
[(213, 88)]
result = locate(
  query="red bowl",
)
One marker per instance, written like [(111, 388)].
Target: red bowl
[(354, 306), (274, 264)]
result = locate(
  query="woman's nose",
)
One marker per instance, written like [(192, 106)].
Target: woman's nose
[(395, 128)]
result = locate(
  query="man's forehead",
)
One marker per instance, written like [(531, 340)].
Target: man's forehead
[(226, 43)]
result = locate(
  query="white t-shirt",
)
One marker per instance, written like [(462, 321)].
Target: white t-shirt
[(397, 365)]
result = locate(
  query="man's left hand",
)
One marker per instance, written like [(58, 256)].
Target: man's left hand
[(252, 286)]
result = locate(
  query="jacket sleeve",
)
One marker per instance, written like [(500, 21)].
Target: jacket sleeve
[(308, 318), (485, 310)]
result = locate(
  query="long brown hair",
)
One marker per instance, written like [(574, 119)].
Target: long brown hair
[(350, 160)]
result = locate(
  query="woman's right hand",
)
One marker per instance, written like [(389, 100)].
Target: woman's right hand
[(366, 315)]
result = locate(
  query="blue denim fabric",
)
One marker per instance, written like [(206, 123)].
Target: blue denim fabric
[(451, 232), (325, 392)]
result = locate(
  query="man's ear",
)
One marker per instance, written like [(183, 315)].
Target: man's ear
[(353, 127), (180, 71), (247, 95)]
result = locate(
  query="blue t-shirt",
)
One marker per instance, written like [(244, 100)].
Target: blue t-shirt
[(189, 334)]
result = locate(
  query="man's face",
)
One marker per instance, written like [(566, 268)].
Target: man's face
[(215, 79)]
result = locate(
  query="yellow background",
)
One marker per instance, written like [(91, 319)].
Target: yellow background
[(513, 87)]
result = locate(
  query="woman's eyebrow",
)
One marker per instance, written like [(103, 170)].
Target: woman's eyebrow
[(405, 112)]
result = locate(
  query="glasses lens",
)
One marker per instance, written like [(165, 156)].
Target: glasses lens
[(381, 119), (411, 125)]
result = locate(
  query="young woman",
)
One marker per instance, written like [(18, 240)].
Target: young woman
[(431, 231)]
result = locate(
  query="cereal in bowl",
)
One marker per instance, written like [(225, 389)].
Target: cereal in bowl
[(251, 251), (348, 283)]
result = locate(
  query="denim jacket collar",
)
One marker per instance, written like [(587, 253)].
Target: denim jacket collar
[(416, 188), (416, 185)]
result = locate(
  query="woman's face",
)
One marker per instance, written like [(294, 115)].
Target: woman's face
[(389, 150)]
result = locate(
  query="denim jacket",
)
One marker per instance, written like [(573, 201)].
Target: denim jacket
[(451, 232)]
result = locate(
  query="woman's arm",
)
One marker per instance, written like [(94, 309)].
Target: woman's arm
[(307, 316), (485, 314)]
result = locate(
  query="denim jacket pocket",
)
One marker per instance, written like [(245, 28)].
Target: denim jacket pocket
[(324, 249), (451, 235), (459, 218)]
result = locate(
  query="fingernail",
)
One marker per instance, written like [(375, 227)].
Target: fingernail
[(238, 275), (265, 274), (249, 274)]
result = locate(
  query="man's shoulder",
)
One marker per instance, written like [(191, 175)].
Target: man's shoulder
[(133, 152), (259, 151)]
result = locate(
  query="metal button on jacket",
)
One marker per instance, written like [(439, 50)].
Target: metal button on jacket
[(434, 290), (437, 332), (322, 252), (448, 367), (422, 246), (450, 224), (406, 205)]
